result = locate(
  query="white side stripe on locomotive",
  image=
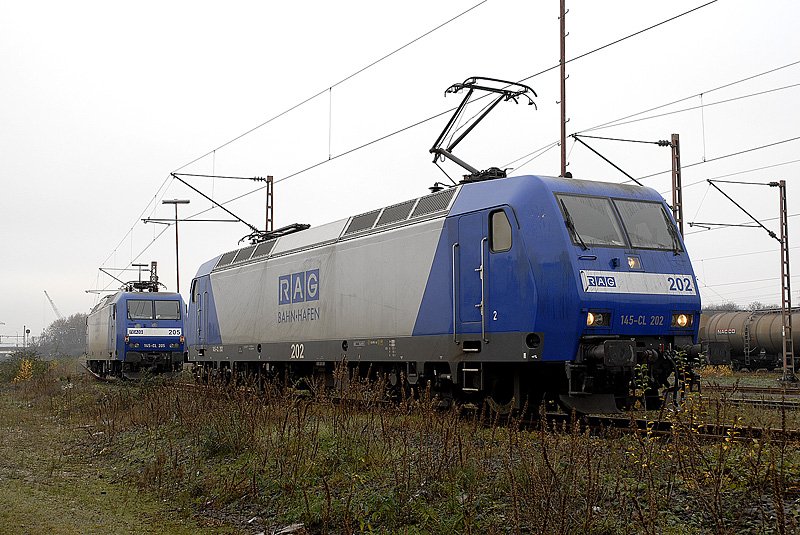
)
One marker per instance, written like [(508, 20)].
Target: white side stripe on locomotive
[(154, 332), (637, 283)]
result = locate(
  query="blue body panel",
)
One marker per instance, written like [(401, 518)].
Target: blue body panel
[(171, 340), (202, 325), (537, 285)]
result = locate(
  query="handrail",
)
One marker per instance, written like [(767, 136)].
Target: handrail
[(482, 304), (455, 295)]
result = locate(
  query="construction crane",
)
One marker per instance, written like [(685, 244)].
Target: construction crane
[(55, 308)]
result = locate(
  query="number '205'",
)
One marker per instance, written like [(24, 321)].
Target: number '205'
[(680, 284)]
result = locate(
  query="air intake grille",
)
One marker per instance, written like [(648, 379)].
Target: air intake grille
[(244, 254), (264, 248), (226, 259), (398, 212), (435, 202), (362, 222)]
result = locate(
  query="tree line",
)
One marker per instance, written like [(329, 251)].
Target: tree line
[(64, 337)]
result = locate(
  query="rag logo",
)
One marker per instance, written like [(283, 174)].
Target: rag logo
[(298, 287), (600, 281)]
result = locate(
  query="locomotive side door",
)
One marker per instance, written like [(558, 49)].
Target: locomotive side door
[(198, 319), (112, 330), (469, 259), (195, 323)]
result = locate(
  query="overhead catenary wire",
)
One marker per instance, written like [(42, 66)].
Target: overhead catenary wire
[(702, 285), (536, 154), (396, 132), (450, 110), (750, 290), (617, 41), (660, 106), (144, 250), (751, 281), (153, 202), (762, 168), (331, 86), (700, 107), (735, 255), (724, 156), (213, 152)]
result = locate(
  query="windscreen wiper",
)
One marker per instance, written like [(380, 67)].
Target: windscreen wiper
[(571, 225), (676, 244)]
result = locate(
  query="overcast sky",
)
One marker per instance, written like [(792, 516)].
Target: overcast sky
[(100, 101)]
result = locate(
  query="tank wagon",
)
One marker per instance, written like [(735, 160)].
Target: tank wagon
[(754, 338), (508, 290), (134, 330)]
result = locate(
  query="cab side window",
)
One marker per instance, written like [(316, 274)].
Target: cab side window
[(499, 231)]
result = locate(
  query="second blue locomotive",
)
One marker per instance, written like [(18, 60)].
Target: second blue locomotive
[(136, 329), (509, 291)]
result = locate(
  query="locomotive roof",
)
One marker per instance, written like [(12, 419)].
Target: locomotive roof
[(455, 200)]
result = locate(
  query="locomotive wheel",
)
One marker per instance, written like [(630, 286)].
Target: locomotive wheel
[(499, 409), (500, 395)]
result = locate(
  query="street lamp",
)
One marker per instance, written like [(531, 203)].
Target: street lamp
[(176, 202)]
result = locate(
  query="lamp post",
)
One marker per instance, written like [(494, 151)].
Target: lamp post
[(176, 202)]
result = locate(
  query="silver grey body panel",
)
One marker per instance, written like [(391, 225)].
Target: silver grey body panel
[(100, 331), (368, 287)]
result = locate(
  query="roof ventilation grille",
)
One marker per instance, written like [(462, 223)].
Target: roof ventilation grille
[(396, 212), (226, 259), (362, 222), (264, 248), (435, 202)]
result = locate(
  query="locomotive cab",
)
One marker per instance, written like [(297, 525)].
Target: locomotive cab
[(637, 296), (131, 332)]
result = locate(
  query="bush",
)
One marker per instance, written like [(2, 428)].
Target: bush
[(24, 366)]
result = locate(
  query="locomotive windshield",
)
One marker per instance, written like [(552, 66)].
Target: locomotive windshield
[(140, 309), (168, 310), (591, 220), (648, 225)]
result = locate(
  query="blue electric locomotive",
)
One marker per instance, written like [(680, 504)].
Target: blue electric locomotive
[(133, 331), (510, 290)]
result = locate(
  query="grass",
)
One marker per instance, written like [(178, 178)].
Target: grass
[(52, 477), (192, 457)]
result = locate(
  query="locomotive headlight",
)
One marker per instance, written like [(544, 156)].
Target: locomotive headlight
[(682, 320), (596, 319)]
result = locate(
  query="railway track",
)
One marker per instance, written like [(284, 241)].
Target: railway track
[(603, 423), (775, 391), (775, 404), (97, 376)]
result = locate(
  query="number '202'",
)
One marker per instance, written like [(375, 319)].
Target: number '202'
[(680, 284)]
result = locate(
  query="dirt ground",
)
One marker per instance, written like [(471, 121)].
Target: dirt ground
[(50, 484)]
